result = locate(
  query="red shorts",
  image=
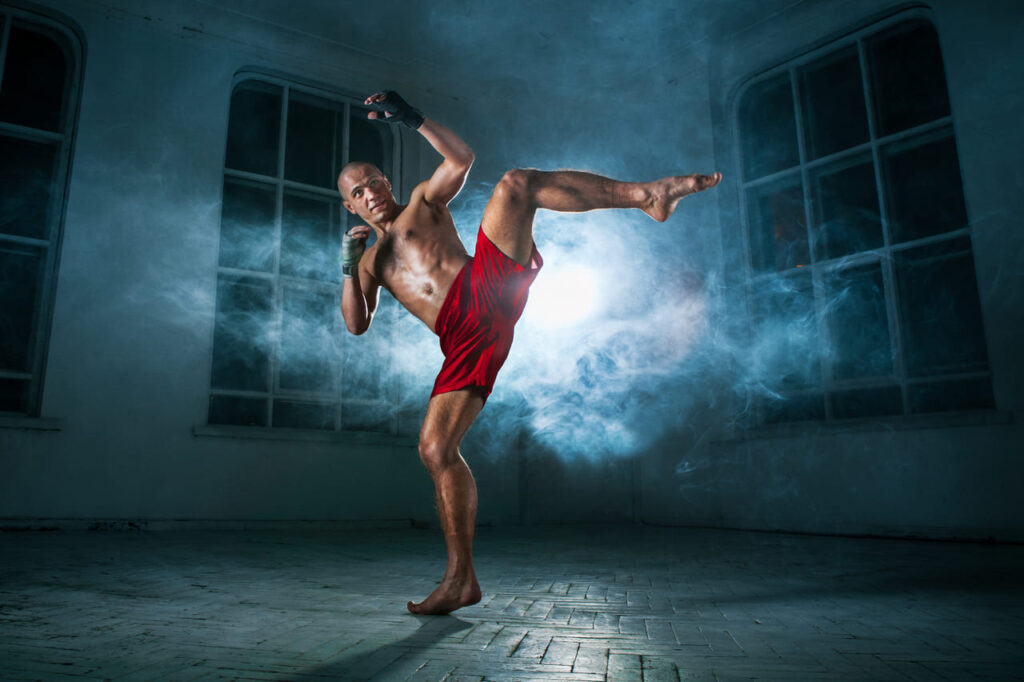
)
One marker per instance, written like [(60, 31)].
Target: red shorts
[(476, 320)]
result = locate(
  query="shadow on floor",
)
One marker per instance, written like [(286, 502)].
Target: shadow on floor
[(365, 663)]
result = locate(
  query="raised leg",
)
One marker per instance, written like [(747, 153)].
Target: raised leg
[(449, 416), (508, 218)]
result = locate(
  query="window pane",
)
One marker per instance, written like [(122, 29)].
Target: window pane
[(778, 228), (254, 128), (908, 78), (307, 341), (227, 409), (858, 323), (797, 408), (310, 238), (924, 193), (367, 141), (241, 335), (940, 309), (768, 128), (311, 141), (945, 396), (247, 238), (832, 96), (14, 395), (32, 89), (786, 332), (20, 284), (299, 415), (845, 209), (26, 186), (867, 402)]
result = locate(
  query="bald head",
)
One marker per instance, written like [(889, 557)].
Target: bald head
[(354, 167), (366, 192)]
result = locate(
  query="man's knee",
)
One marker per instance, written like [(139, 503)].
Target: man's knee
[(436, 454), (515, 186)]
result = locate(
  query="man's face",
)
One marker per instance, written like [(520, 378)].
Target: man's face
[(367, 193)]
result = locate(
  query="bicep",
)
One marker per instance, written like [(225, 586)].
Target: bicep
[(446, 182)]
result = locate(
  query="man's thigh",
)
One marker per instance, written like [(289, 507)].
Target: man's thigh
[(508, 220), (449, 416)]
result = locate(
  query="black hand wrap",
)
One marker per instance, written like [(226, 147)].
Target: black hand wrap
[(400, 110)]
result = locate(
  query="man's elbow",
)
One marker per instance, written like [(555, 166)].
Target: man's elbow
[(356, 329), (465, 160), (355, 324), (462, 168)]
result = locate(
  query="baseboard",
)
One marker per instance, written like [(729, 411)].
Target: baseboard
[(130, 525), (1002, 535)]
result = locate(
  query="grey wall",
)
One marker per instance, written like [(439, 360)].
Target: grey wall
[(631, 419)]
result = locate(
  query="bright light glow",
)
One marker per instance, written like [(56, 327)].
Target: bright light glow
[(563, 297)]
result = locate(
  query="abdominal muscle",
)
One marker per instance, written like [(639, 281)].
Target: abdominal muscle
[(419, 272)]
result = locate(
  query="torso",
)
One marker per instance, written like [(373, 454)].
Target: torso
[(418, 258)]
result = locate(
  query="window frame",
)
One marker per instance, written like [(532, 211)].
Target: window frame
[(280, 282), (69, 40), (884, 256)]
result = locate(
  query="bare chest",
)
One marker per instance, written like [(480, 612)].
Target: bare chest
[(404, 258), (417, 260)]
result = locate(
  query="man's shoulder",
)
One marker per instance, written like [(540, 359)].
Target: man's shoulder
[(418, 202), (419, 193)]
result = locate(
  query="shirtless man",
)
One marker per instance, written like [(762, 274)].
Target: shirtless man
[(471, 303)]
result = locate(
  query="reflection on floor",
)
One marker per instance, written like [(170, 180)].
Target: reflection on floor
[(560, 603)]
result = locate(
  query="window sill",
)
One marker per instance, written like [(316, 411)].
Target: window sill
[(310, 435), (918, 421), (27, 423)]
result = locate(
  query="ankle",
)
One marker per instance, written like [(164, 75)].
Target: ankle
[(633, 194)]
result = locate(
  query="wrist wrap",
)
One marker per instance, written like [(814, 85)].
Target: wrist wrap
[(400, 111), (351, 252)]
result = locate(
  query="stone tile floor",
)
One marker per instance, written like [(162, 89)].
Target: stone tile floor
[(560, 603)]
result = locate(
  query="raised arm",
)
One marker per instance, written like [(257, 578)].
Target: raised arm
[(451, 175)]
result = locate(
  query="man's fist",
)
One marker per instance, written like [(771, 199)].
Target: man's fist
[(353, 245), (390, 107)]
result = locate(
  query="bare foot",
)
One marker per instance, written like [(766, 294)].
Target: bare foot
[(448, 596), (666, 193)]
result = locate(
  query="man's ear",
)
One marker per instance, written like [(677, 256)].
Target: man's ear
[(349, 207)]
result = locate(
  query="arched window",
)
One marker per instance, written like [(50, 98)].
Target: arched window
[(39, 72), (863, 291), (279, 345)]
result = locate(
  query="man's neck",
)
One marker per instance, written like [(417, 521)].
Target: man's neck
[(384, 227)]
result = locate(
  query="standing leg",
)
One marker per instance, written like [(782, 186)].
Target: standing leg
[(449, 416), (508, 218)]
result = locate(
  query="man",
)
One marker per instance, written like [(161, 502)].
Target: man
[(471, 303)]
